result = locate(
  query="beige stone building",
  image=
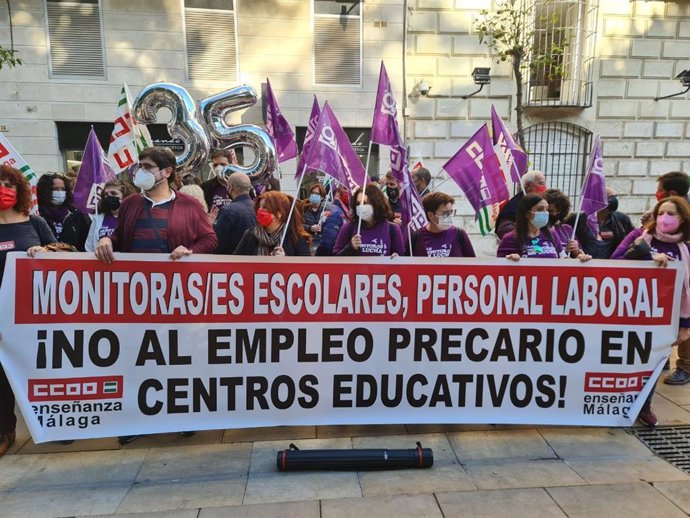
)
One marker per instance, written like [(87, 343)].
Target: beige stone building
[(619, 56)]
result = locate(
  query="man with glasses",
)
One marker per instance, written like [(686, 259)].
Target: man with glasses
[(159, 220), (440, 237)]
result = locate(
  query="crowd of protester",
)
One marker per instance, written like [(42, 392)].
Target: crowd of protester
[(159, 211)]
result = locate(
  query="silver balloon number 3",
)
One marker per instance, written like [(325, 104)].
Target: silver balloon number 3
[(204, 126)]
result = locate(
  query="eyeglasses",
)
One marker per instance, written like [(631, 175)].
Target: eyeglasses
[(445, 214), (148, 167)]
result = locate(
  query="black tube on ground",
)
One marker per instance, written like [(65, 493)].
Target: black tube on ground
[(294, 459)]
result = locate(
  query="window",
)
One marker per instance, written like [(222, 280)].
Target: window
[(75, 38), (560, 72), (561, 150), (337, 42), (211, 37)]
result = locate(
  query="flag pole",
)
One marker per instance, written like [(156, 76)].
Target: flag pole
[(579, 209), (364, 187), (292, 208)]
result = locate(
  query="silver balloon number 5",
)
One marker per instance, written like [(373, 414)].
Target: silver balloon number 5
[(201, 127), (214, 112)]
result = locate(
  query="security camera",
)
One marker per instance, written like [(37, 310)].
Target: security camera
[(424, 88)]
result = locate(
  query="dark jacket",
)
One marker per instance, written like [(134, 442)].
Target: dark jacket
[(505, 222), (618, 224), (233, 220), (331, 228), (249, 245), (75, 228), (188, 225)]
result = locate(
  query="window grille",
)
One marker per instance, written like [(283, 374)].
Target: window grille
[(75, 38), (560, 70), (211, 39), (337, 42), (561, 150)]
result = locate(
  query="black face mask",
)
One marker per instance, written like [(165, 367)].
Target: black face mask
[(553, 220), (392, 193), (613, 204), (111, 203)]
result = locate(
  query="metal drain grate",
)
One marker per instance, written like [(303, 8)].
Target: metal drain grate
[(671, 443)]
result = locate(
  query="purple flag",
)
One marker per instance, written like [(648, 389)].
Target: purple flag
[(309, 136), (331, 152), (278, 128), (594, 196), (94, 172), (515, 157), (477, 171), (385, 130)]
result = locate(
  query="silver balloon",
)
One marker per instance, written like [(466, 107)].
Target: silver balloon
[(185, 124), (214, 111)]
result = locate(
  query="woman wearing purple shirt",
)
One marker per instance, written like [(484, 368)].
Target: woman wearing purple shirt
[(559, 208), (531, 238), (440, 238), (378, 235), (104, 222), (665, 238)]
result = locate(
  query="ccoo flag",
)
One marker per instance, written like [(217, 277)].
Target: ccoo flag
[(515, 157), (331, 152), (10, 157), (309, 136), (385, 130), (278, 128), (94, 172), (129, 137), (477, 171), (594, 196)]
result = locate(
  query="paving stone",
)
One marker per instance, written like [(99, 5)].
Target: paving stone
[(647, 469), (14, 468), (44, 502), (181, 513), (272, 433), (502, 503), (677, 492), (522, 474), (668, 413), (172, 495), (266, 484), (446, 474), (678, 394), (64, 471), (572, 443), (359, 430), (308, 509), (500, 444), (195, 463), (613, 501), (399, 506)]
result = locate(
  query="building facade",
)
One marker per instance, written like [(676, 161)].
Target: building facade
[(616, 58)]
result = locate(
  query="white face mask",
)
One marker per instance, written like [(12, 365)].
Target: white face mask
[(219, 171), (366, 211), (59, 197), (144, 179), (445, 222)]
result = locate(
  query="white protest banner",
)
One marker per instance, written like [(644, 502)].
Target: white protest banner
[(148, 345), (10, 157)]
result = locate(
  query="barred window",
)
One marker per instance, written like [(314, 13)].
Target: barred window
[(75, 38), (560, 67), (337, 42), (211, 39), (561, 150)]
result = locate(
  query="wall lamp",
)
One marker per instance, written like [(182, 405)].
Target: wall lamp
[(479, 74), (684, 78)]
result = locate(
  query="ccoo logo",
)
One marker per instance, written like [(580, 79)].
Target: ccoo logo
[(328, 137)]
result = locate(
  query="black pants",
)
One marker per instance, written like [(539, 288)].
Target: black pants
[(8, 420)]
